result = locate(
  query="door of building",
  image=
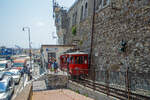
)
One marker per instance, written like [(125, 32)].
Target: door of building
[(51, 55)]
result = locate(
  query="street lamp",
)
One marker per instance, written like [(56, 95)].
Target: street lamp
[(24, 29)]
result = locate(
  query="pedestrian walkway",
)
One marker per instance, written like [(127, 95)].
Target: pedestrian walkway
[(61, 94), (57, 73), (40, 91), (36, 70)]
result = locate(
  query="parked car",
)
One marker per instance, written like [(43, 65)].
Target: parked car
[(2, 58), (6, 87), (20, 64), (16, 75), (5, 64), (1, 75)]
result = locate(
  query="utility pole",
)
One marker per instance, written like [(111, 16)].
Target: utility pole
[(93, 22), (29, 43), (92, 70)]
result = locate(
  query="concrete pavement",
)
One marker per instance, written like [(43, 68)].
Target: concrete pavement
[(61, 94)]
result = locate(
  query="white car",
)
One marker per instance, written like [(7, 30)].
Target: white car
[(6, 87), (5, 64), (15, 74)]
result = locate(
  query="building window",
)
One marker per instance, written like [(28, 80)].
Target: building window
[(101, 4), (86, 10), (98, 4), (68, 21), (81, 18), (105, 2), (74, 18)]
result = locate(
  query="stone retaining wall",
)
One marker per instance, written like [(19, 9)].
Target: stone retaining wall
[(88, 92), (56, 81)]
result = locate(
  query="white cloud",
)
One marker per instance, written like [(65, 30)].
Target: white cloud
[(40, 24)]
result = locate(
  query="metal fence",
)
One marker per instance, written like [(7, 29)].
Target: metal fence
[(140, 83), (131, 85)]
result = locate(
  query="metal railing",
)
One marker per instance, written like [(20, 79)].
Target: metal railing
[(124, 85)]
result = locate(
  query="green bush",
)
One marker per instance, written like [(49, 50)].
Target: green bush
[(81, 42), (77, 91), (86, 95), (74, 31)]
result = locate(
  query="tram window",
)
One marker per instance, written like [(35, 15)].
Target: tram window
[(71, 60), (76, 60), (85, 59), (80, 59), (64, 60)]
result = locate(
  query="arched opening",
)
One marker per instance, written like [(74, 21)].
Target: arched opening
[(81, 18), (105, 2), (86, 10), (98, 4)]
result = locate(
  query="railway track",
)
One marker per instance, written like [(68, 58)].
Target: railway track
[(110, 91)]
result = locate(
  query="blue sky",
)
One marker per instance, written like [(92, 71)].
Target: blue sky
[(36, 14)]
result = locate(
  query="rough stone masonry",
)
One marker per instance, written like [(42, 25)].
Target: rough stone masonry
[(127, 20)]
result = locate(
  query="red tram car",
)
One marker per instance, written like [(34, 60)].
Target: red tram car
[(76, 63)]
